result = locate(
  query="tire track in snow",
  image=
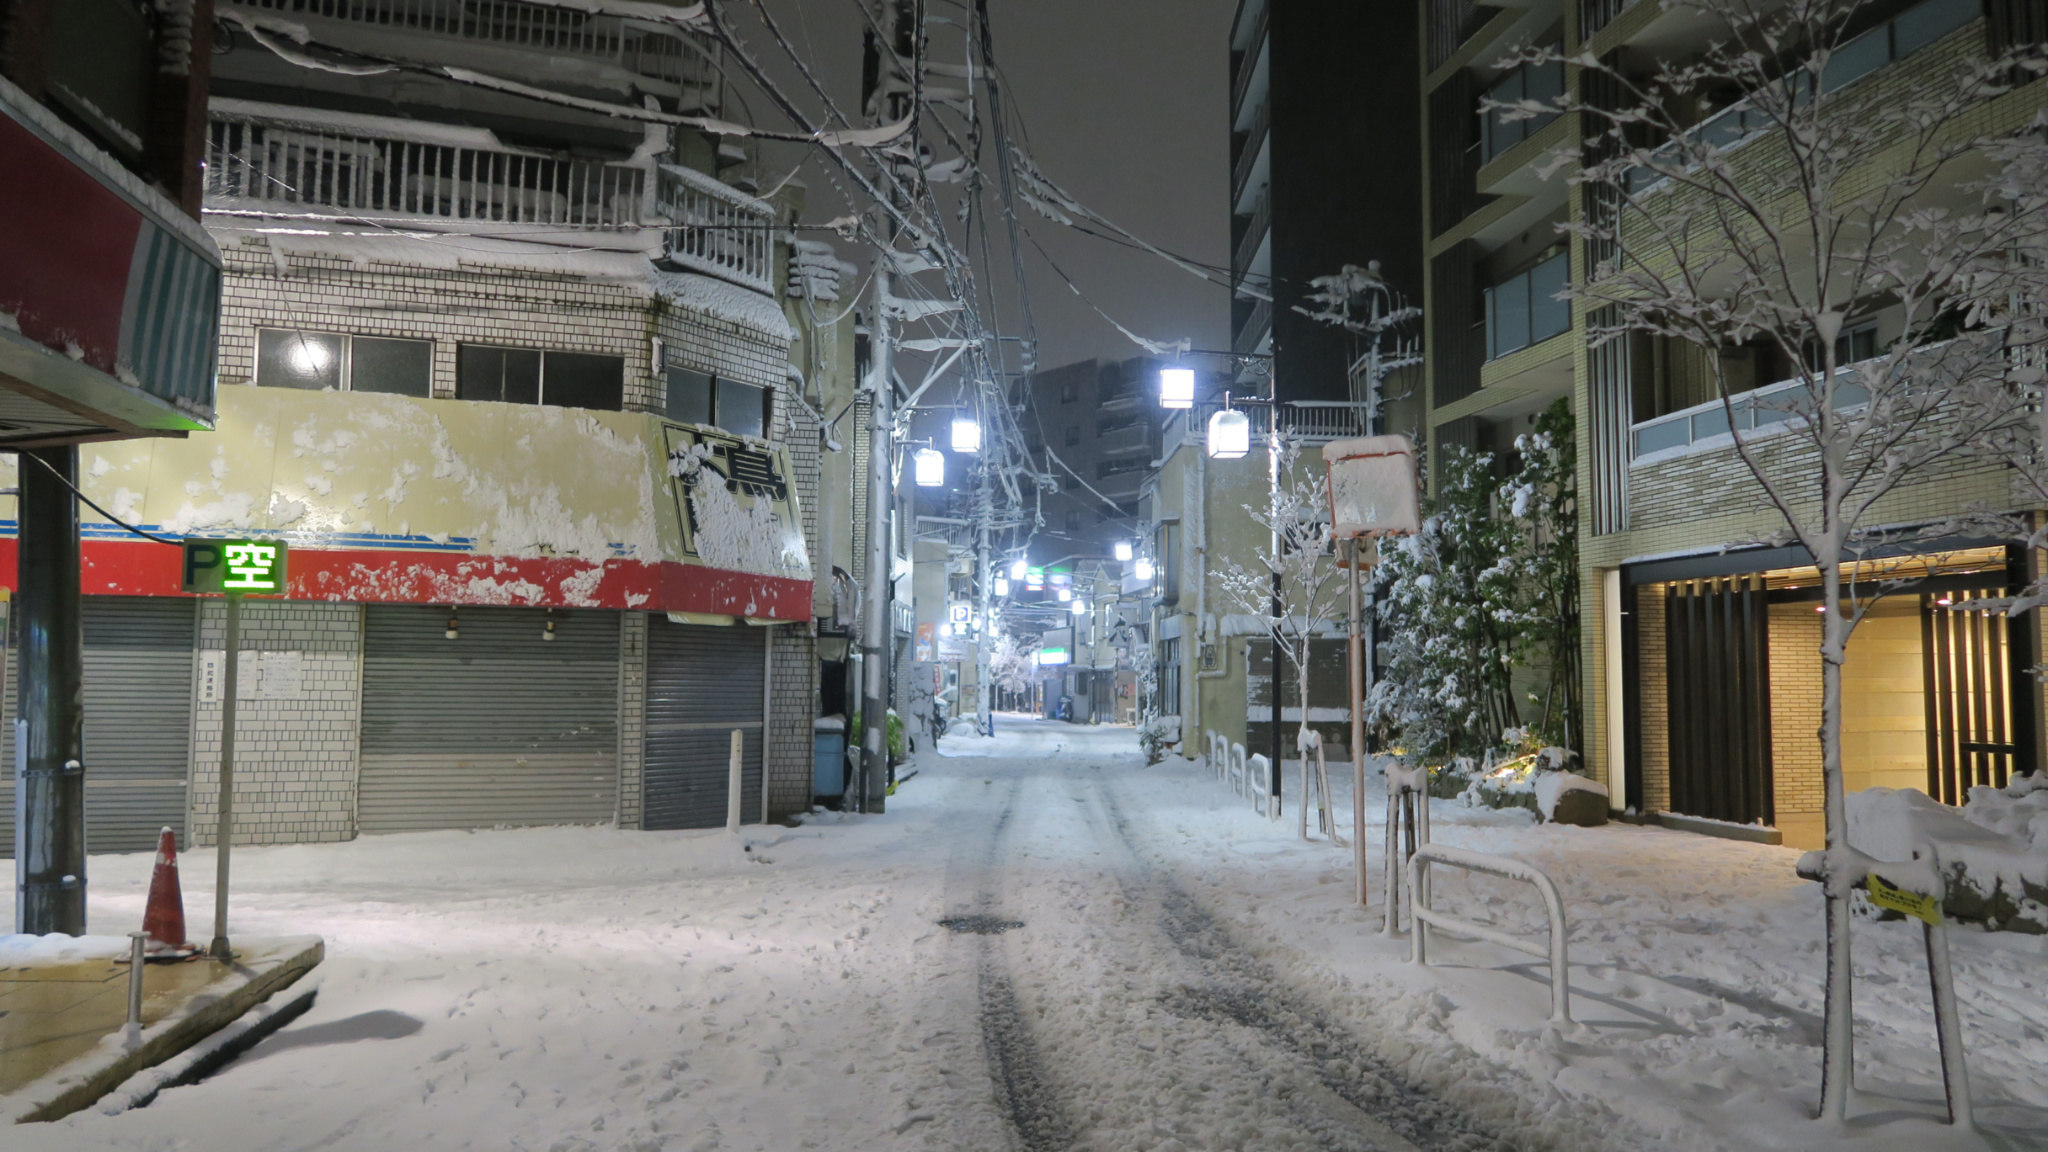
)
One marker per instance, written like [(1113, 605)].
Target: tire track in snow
[(1352, 1087), (1023, 1091)]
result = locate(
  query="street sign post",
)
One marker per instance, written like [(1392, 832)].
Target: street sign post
[(1373, 493), (232, 569)]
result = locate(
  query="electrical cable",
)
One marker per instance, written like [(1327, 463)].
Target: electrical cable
[(115, 520)]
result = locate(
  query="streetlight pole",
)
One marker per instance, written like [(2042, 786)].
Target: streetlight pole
[(875, 630)]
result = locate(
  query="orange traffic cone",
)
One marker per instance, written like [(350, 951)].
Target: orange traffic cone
[(164, 920)]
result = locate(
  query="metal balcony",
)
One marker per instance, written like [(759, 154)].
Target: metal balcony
[(717, 230)]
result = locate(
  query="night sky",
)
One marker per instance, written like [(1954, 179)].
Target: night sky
[(1123, 103)]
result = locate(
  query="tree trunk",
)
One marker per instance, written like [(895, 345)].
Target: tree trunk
[(1838, 1060)]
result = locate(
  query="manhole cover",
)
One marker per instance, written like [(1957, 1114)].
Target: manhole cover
[(979, 925)]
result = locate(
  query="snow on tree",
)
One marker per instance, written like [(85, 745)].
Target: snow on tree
[(1746, 201), (1297, 519), (1009, 665), (1541, 502), (1448, 635)]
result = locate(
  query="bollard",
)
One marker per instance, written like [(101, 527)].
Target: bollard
[(136, 963), (732, 787)]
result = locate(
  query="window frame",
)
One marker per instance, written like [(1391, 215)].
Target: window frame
[(541, 387), (345, 373)]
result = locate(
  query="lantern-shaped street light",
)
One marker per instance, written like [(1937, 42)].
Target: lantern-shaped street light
[(1123, 550), (1080, 607), (1176, 387), (1017, 569), (966, 435), (1230, 435), (1001, 586), (931, 467), (1142, 569)]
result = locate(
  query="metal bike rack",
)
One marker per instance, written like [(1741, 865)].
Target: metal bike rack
[(1425, 916)]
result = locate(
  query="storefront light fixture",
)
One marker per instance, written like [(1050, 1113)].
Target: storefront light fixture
[(1230, 435), (966, 436), (1176, 387), (931, 467)]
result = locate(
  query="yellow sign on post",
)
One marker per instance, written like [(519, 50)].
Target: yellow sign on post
[(1885, 894)]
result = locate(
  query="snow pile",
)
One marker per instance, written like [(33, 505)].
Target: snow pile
[(728, 302), (816, 272), (1993, 853)]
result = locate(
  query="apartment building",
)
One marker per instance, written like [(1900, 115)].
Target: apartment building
[(1700, 648), (514, 378), (1323, 136)]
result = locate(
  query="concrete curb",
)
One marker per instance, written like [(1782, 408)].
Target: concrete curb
[(262, 968)]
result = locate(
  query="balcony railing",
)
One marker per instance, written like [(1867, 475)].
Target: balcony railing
[(717, 230), (1248, 245), (1309, 422), (669, 54), (257, 164), (1256, 325), (1248, 64), (1597, 14), (1254, 140), (1706, 425)]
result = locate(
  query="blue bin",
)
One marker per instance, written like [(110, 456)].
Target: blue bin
[(828, 757)]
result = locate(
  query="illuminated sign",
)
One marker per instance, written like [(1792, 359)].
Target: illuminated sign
[(1034, 578), (960, 615), (235, 567), (1053, 656)]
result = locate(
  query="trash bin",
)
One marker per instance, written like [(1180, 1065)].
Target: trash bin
[(828, 757)]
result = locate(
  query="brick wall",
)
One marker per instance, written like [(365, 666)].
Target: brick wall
[(295, 759), (1656, 704), (632, 715), (1795, 709), (793, 668)]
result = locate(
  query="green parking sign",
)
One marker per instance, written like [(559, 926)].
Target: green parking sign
[(235, 567)]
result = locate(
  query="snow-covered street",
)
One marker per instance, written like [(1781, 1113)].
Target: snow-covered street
[(1135, 960)]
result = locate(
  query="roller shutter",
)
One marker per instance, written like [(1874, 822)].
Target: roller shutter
[(702, 682), (138, 722), (496, 727)]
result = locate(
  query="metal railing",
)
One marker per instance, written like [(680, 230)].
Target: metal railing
[(717, 230), (1262, 123), (1425, 916), (1248, 244), (1248, 64), (256, 164), (1256, 324), (1754, 411), (670, 54), (1597, 14)]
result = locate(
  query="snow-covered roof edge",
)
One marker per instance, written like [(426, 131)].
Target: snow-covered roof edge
[(741, 306)]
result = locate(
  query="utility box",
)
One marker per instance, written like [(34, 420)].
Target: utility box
[(828, 757)]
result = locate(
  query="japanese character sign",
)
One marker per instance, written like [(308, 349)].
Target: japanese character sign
[(235, 567)]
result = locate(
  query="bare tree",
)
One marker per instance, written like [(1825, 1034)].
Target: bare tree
[(1751, 202), (1297, 519)]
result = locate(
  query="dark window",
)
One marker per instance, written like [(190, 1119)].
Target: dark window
[(1073, 435), (505, 375), (534, 376), (400, 367), (1073, 522), (100, 61), (742, 408), (285, 359), (689, 395), (1070, 391), (581, 380)]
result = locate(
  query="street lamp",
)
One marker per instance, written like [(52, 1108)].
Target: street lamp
[(1142, 569), (931, 467), (1123, 550), (1230, 435), (1002, 586), (966, 435), (1176, 387), (1080, 607), (1017, 569), (1065, 594)]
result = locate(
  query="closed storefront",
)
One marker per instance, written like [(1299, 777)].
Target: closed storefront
[(703, 682), (138, 721), (486, 717)]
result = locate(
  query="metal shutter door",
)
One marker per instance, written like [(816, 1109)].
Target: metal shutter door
[(138, 721), (497, 727), (702, 682)]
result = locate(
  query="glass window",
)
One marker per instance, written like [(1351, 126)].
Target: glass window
[(1508, 316), (581, 380), (1548, 315), (287, 359), (1856, 59), (1926, 23), (742, 408), (505, 375), (689, 395), (400, 367)]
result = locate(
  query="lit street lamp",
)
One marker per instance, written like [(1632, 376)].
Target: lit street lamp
[(1123, 550), (1230, 435), (1142, 569), (931, 467), (1080, 607), (966, 436), (1176, 387), (1018, 569), (1002, 586)]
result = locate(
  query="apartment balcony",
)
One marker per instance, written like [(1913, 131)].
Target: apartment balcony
[(1257, 330), (717, 230), (682, 64), (1254, 66), (1309, 423), (1254, 162), (264, 160), (1246, 260)]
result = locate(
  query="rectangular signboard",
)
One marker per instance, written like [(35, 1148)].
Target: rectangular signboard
[(234, 567)]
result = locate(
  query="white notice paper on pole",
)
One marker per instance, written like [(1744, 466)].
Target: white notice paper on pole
[(282, 676)]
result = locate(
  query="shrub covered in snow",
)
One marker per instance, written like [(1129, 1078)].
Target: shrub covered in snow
[(1156, 735), (1993, 853)]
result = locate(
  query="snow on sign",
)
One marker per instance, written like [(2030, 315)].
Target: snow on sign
[(736, 503), (235, 567), (1372, 486)]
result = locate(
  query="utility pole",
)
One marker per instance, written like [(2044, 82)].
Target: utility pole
[(49, 754), (877, 637), (985, 578)]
